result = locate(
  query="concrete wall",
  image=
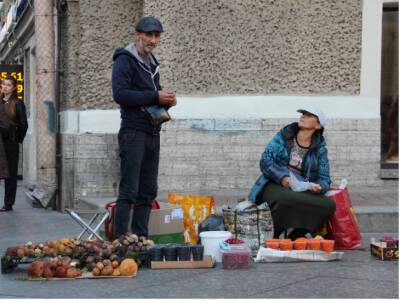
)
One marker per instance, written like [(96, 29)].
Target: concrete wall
[(199, 156), (91, 30), (218, 47), (223, 48), (260, 47)]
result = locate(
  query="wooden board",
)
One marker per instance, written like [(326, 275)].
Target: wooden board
[(207, 262)]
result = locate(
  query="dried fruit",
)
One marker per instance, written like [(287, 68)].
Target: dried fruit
[(100, 266), (12, 251), (96, 272), (20, 252), (115, 264), (72, 272), (107, 271)]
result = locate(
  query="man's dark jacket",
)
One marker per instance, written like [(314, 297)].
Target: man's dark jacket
[(134, 85)]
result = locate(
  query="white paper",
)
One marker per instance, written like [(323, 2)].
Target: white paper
[(297, 185)]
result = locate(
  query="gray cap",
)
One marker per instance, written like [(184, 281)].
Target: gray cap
[(316, 112), (149, 24)]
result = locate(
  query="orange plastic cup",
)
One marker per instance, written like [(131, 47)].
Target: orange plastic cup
[(314, 244), (300, 244), (272, 243), (327, 245), (285, 244)]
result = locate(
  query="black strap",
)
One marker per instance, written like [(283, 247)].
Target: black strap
[(258, 228), (235, 224)]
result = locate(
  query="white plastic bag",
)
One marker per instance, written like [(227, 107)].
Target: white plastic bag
[(297, 185)]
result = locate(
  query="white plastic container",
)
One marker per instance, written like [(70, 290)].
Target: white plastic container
[(211, 239)]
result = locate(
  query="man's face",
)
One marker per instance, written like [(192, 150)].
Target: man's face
[(147, 41)]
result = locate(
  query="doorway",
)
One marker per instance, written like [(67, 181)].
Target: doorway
[(390, 91)]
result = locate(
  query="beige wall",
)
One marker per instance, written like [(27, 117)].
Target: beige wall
[(219, 47), (260, 47), (92, 29)]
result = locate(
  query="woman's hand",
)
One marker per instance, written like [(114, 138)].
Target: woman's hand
[(285, 182), (315, 188)]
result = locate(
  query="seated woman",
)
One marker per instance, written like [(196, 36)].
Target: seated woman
[(298, 148)]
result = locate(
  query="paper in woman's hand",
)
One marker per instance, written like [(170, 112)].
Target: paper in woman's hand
[(298, 185)]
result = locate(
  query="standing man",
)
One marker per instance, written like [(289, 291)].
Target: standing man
[(136, 85)]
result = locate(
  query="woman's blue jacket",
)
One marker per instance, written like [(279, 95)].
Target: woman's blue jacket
[(275, 160)]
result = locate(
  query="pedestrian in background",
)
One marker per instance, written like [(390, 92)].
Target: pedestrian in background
[(13, 127), (298, 149), (136, 86)]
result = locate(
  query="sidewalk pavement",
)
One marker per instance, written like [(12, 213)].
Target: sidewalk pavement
[(358, 275)]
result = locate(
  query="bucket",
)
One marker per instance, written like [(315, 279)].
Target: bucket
[(211, 239)]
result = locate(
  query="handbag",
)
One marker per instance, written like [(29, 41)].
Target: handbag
[(252, 224), (343, 227), (156, 114)]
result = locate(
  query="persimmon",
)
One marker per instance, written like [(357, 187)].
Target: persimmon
[(272, 243), (314, 244), (327, 245), (300, 244), (285, 244)]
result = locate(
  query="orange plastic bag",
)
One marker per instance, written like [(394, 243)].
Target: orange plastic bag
[(195, 210)]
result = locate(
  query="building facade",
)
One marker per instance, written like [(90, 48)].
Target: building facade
[(241, 69)]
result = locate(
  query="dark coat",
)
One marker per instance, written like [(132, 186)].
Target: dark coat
[(134, 85)]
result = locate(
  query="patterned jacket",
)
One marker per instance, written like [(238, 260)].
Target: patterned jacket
[(275, 160)]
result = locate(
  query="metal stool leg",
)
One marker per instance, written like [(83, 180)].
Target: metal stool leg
[(89, 224), (105, 217), (78, 219)]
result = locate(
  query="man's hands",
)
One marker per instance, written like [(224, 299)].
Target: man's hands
[(167, 98)]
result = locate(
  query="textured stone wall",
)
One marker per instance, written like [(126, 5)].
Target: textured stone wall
[(218, 47), (260, 47), (91, 30), (199, 156)]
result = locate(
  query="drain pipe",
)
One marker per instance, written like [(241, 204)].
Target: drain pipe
[(59, 203), (45, 98)]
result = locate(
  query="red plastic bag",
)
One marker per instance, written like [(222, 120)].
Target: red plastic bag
[(343, 227), (109, 224)]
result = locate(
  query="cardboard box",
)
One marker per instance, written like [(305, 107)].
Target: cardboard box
[(166, 224), (207, 262), (382, 252)]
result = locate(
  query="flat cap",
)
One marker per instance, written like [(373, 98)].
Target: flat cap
[(149, 24)]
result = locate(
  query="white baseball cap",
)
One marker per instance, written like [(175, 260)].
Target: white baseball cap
[(316, 112)]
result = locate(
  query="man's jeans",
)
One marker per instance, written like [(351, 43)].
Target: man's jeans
[(139, 153)]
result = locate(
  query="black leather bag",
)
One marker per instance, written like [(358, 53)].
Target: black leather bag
[(157, 114)]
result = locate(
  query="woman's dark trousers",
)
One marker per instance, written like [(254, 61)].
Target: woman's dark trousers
[(10, 187)]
